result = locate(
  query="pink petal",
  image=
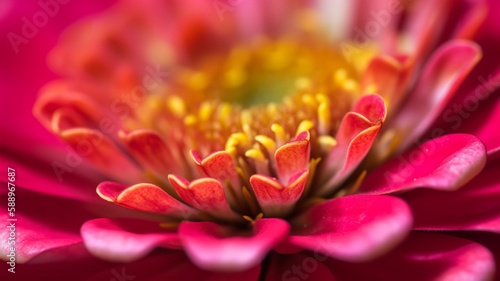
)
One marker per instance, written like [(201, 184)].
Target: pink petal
[(34, 238), (444, 163), (144, 197), (44, 234), (423, 256), (472, 207), (95, 147), (442, 75), (211, 246), (126, 240), (292, 157), (353, 228), (205, 194), (59, 173), (424, 23), (276, 199), (476, 112)]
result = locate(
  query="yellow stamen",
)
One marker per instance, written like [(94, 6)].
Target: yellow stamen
[(305, 125), (255, 154), (279, 133), (176, 105), (267, 142)]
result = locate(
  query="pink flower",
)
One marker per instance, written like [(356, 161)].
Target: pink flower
[(267, 140)]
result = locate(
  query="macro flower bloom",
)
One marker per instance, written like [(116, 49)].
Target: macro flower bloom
[(271, 140)]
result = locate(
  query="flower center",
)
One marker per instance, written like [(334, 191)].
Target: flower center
[(249, 103)]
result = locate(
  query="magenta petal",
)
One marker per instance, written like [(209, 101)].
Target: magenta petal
[(473, 207), (444, 73), (444, 163), (353, 228), (125, 240), (423, 256), (45, 231), (34, 238), (208, 247)]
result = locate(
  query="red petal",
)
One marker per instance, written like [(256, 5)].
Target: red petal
[(355, 137), (353, 228), (98, 149), (204, 194), (220, 166), (444, 163), (275, 199), (387, 73), (144, 197), (211, 247), (152, 152), (292, 157), (126, 240)]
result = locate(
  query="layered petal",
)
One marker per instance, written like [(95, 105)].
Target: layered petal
[(276, 199), (220, 166), (444, 210), (443, 74), (444, 163), (151, 151), (292, 157), (98, 149), (205, 194), (423, 256), (353, 228), (126, 240), (43, 233), (355, 137), (216, 247)]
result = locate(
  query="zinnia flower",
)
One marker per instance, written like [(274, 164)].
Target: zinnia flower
[(273, 141)]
